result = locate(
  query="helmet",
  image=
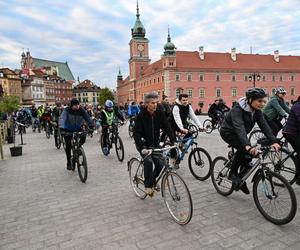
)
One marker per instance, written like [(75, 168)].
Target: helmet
[(109, 104), (74, 102), (255, 93), (280, 90)]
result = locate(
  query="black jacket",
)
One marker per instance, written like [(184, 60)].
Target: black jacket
[(240, 122), (148, 127)]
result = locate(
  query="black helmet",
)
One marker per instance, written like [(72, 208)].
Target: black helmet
[(255, 93), (74, 102)]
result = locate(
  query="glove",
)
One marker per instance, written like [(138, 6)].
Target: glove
[(145, 151)]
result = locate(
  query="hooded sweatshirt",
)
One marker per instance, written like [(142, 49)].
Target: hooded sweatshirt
[(241, 119)]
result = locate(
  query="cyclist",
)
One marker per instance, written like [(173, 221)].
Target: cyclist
[(146, 135), (57, 110), (34, 114), (215, 112), (237, 124), (166, 108), (276, 109), (133, 111), (108, 115), (71, 120), (222, 106), (41, 111), (292, 134), (47, 118), (180, 113)]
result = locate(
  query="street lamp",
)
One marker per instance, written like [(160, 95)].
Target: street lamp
[(255, 77)]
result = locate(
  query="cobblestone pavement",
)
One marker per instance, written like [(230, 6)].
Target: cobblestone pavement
[(44, 206)]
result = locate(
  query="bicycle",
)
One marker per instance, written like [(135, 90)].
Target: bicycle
[(47, 129), (199, 160), (59, 138), (131, 126), (78, 158), (191, 127), (113, 138), (173, 188), (208, 124), (268, 186)]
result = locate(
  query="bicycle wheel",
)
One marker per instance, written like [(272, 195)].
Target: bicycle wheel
[(207, 124), (254, 136), (284, 164), (102, 144), (58, 142), (47, 130), (277, 203), (200, 163), (194, 130), (130, 130), (177, 198), (219, 173), (136, 177), (82, 165), (119, 148)]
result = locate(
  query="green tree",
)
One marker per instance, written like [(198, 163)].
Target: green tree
[(9, 104), (105, 94)]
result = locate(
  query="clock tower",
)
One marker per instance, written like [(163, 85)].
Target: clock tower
[(139, 49)]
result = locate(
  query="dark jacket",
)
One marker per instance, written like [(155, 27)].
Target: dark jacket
[(72, 120), (293, 123), (148, 127), (184, 114), (241, 119)]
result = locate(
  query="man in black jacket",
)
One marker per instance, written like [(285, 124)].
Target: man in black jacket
[(146, 135), (238, 123)]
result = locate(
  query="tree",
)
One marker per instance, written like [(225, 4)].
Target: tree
[(9, 104), (105, 94)]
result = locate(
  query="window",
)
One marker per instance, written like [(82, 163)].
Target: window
[(234, 92), (190, 92), (264, 78), (245, 78), (162, 78), (217, 77), (189, 77), (154, 80), (292, 91), (171, 63), (157, 79), (178, 91), (201, 92), (273, 78), (218, 92), (280, 78), (201, 77), (177, 77), (233, 77), (292, 78)]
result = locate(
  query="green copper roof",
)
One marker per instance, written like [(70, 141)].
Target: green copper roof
[(138, 30), (169, 46), (63, 68)]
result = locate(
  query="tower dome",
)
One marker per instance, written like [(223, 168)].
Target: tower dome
[(138, 31), (169, 46)]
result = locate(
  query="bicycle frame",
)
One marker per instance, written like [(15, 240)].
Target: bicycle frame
[(188, 142)]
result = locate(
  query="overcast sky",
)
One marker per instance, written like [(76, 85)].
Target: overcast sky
[(93, 35)]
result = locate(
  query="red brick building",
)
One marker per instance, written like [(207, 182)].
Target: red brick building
[(204, 76)]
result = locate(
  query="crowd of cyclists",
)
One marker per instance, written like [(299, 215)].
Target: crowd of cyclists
[(156, 122)]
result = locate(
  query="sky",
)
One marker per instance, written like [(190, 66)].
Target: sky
[(93, 35)]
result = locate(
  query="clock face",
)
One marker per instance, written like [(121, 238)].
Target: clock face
[(140, 47)]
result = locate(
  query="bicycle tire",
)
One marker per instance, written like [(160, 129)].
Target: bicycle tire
[(199, 169), (254, 136), (119, 147), (58, 141), (102, 143), (136, 177), (207, 124), (130, 130), (168, 187), (285, 187), (286, 169), (82, 165), (219, 174)]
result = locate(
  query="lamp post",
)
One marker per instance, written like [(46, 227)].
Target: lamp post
[(255, 77)]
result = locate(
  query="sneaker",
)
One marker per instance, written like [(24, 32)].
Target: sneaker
[(105, 151), (149, 191), (244, 188)]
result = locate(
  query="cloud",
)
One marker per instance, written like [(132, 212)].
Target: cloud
[(93, 35)]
